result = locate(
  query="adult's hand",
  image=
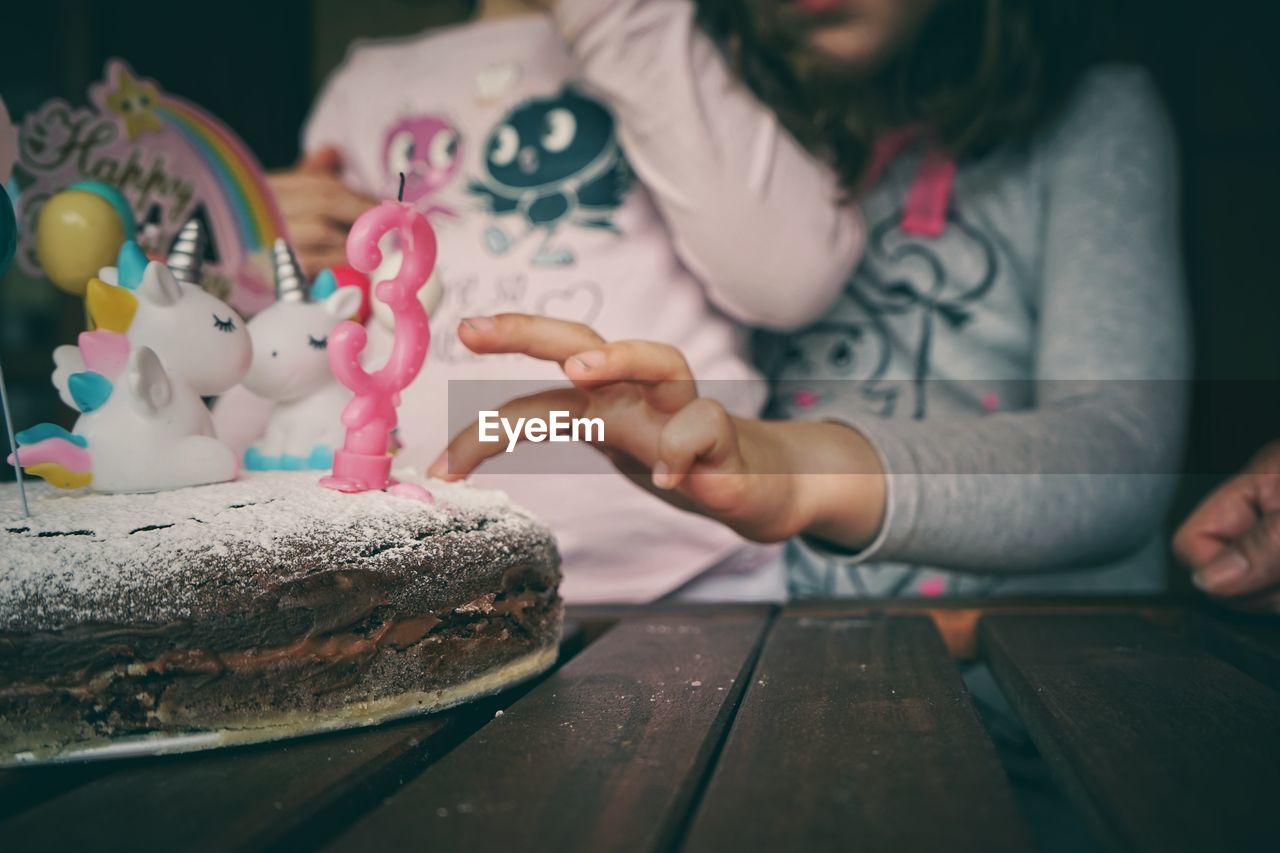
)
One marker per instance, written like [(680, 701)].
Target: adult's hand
[(318, 208), (1232, 541)]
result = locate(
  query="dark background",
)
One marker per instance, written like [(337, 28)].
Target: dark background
[(257, 65)]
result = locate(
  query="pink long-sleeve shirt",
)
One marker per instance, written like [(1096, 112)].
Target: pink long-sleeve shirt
[(512, 137)]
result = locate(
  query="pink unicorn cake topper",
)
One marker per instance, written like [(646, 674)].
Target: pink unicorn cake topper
[(362, 464)]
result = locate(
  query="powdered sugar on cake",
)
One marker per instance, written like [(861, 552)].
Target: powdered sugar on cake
[(151, 557)]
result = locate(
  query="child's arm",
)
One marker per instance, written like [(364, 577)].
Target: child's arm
[(317, 206), (755, 216), (1086, 476), (1081, 479)]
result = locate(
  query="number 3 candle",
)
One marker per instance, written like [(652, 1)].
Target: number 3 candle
[(363, 464)]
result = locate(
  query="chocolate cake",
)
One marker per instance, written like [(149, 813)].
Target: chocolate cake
[(259, 609)]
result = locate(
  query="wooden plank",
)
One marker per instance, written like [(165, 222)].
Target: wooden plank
[(1249, 642), (595, 619), (857, 733), (1161, 746), (228, 799), (606, 754), (614, 613), (957, 618), (293, 793)]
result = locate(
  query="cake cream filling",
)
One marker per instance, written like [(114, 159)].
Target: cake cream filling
[(330, 649)]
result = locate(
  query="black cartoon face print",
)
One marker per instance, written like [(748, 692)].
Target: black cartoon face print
[(818, 364), (904, 275), (550, 162)]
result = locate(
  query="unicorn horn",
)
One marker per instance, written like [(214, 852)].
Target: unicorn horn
[(291, 286), (186, 253)]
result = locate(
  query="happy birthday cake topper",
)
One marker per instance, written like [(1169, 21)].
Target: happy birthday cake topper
[(172, 161)]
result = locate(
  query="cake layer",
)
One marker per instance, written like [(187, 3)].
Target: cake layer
[(238, 606), (278, 724), (384, 666), (262, 555)]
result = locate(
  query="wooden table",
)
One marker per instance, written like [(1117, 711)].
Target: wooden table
[(821, 726)]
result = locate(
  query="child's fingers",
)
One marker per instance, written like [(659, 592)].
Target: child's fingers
[(630, 361), (700, 433), (315, 233), (317, 244), (538, 337), (343, 205), (326, 160), (302, 195), (466, 451), (659, 365)]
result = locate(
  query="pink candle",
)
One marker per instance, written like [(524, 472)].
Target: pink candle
[(363, 464)]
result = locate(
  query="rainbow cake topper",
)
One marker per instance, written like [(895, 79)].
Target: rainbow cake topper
[(172, 161), (239, 179)]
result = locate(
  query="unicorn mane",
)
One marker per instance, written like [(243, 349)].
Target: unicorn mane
[(82, 373), (109, 296)]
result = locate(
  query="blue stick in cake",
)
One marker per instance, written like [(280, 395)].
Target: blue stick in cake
[(13, 445), (8, 239)]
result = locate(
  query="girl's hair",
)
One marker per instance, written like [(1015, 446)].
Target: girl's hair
[(978, 73)]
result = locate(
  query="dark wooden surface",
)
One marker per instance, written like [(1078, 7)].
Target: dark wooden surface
[(1161, 745), (232, 799), (607, 754), (857, 733), (836, 725), (1250, 642)]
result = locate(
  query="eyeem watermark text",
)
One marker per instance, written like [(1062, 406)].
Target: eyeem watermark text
[(558, 427)]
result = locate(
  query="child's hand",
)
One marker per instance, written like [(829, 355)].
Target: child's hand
[(318, 209), (759, 477)]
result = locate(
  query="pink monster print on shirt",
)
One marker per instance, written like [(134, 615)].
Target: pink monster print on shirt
[(428, 150)]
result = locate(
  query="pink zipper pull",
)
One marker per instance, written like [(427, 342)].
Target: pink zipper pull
[(925, 211)]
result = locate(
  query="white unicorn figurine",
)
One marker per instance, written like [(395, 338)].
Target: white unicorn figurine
[(291, 368), (197, 346), (197, 336), (130, 435)]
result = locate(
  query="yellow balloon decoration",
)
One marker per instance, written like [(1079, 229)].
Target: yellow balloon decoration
[(78, 232)]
